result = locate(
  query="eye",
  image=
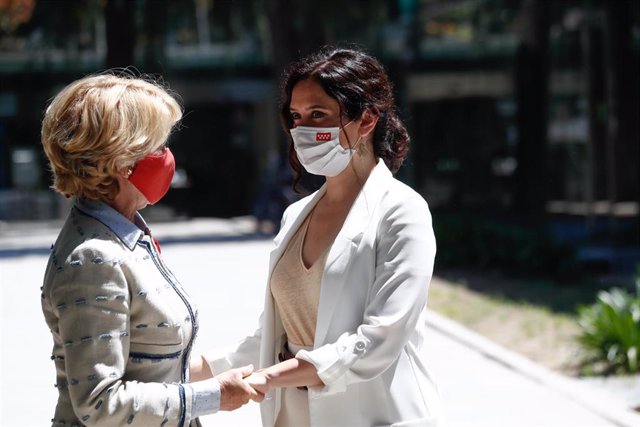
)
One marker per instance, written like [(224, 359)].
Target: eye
[(317, 114), (294, 116)]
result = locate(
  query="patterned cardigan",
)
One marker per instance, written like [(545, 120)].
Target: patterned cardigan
[(122, 325)]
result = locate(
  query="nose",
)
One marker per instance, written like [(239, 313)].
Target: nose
[(300, 122)]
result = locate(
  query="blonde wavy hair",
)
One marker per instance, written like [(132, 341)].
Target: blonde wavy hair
[(100, 124)]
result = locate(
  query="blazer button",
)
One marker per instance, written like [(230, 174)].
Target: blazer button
[(359, 347)]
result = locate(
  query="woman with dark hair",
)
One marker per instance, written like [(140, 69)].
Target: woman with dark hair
[(345, 302)]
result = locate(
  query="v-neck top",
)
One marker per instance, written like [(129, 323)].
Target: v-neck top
[(296, 289)]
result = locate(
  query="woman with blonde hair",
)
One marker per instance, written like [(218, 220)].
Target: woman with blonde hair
[(122, 325)]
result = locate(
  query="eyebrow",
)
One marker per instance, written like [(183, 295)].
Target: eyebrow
[(311, 107)]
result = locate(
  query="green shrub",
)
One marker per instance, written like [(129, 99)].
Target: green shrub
[(610, 332)]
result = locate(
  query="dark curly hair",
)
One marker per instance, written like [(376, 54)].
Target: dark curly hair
[(358, 82)]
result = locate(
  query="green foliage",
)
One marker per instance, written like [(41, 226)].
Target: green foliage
[(610, 332), (473, 243)]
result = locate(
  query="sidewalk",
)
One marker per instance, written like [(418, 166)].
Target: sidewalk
[(519, 384), (223, 261)]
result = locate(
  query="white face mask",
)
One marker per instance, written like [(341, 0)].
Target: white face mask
[(319, 149)]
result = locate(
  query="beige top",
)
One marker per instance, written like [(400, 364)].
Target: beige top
[(296, 290)]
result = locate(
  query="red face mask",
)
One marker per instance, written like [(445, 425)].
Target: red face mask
[(153, 174)]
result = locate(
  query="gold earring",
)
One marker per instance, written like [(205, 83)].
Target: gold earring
[(362, 149)]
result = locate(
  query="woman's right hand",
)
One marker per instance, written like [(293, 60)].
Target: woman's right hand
[(234, 390)]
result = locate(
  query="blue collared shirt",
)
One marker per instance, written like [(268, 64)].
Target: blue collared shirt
[(127, 231)]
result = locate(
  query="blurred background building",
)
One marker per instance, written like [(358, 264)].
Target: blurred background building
[(524, 114)]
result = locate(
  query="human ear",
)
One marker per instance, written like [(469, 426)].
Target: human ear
[(125, 172), (368, 122)]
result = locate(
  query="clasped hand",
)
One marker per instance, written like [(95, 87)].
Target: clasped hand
[(259, 382), (236, 389), (238, 386)]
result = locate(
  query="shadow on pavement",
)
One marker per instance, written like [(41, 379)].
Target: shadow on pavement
[(164, 241), (556, 296)]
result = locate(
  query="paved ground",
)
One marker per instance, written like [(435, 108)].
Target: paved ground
[(224, 269)]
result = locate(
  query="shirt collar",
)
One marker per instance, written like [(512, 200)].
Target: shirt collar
[(127, 231)]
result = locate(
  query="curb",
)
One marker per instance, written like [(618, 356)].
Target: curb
[(592, 399)]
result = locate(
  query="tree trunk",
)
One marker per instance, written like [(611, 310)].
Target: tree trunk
[(593, 66), (156, 14), (284, 37), (532, 86), (120, 33), (622, 107)]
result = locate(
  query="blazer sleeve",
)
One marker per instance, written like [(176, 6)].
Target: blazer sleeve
[(92, 301), (243, 353), (405, 253)]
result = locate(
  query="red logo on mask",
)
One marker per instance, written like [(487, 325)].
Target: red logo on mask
[(323, 136)]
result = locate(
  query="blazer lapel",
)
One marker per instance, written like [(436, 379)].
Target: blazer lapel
[(289, 229), (345, 245)]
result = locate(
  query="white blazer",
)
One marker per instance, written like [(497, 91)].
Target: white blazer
[(370, 332)]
